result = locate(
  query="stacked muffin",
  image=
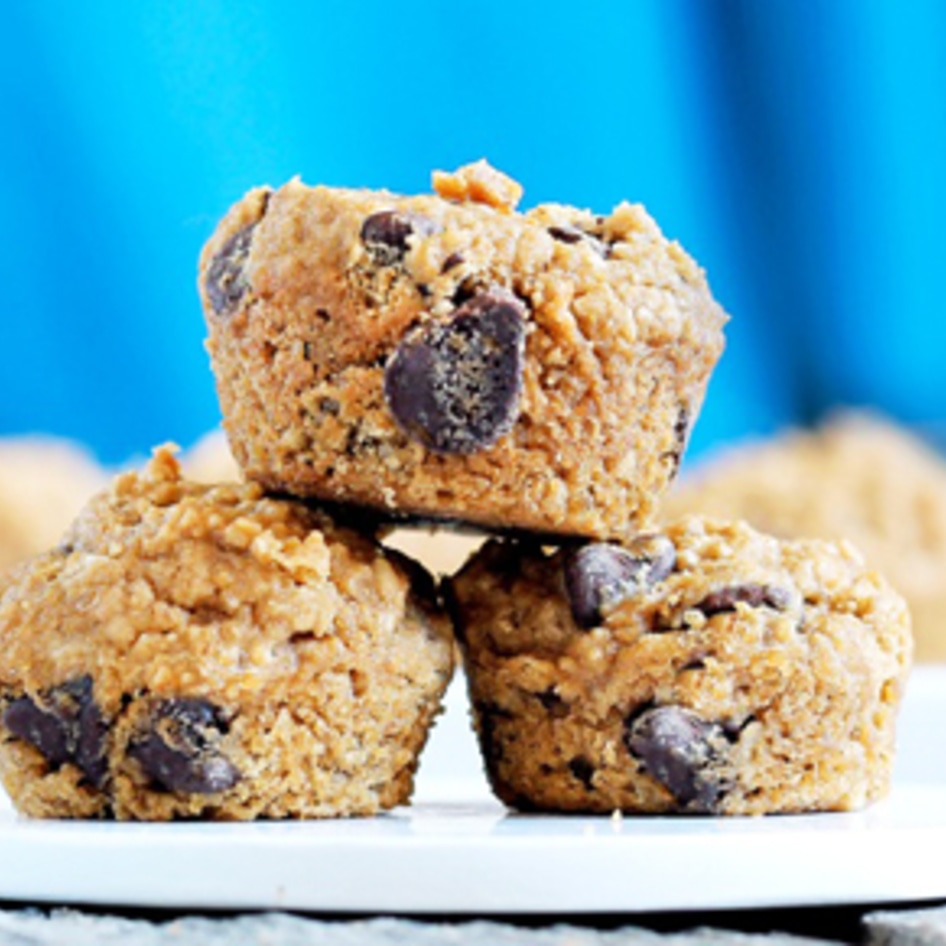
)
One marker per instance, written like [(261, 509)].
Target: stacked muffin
[(444, 356), (192, 651), (236, 652), (537, 375)]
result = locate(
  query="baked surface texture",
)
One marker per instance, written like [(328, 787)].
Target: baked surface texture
[(208, 652), (706, 669), (445, 356), (858, 476)]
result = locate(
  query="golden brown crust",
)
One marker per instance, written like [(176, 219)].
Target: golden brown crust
[(756, 676), (295, 665), (621, 334)]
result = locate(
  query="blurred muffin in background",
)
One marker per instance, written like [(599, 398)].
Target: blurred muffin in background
[(44, 482), (859, 477), (209, 460)]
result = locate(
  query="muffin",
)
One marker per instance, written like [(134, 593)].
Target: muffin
[(448, 357), (190, 651), (703, 669)]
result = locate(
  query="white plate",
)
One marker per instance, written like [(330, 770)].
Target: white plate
[(458, 851), (474, 859)]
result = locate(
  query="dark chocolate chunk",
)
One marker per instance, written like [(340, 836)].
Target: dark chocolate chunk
[(455, 386), (733, 728), (44, 730), (583, 770), (385, 234), (90, 743), (466, 290), (752, 594), (179, 753), (681, 751), (66, 725), (454, 259), (226, 281), (681, 427), (681, 433), (566, 234), (572, 235), (553, 704), (599, 575)]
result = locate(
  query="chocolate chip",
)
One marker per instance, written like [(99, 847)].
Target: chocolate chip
[(599, 575), (583, 770), (385, 234), (179, 752), (90, 746), (566, 234), (752, 594), (734, 728), (226, 281), (66, 726), (554, 705), (466, 290), (681, 433), (572, 235), (454, 259), (46, 731), (455, 387), (681, 751)]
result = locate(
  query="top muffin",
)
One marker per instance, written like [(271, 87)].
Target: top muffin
[(445, 356)]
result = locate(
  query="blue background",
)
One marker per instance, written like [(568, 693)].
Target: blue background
[(796, 149)]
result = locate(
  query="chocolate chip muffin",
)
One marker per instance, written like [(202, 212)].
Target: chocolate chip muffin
[(446, 356), (858, 476), (207, 652), (705, 669)]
